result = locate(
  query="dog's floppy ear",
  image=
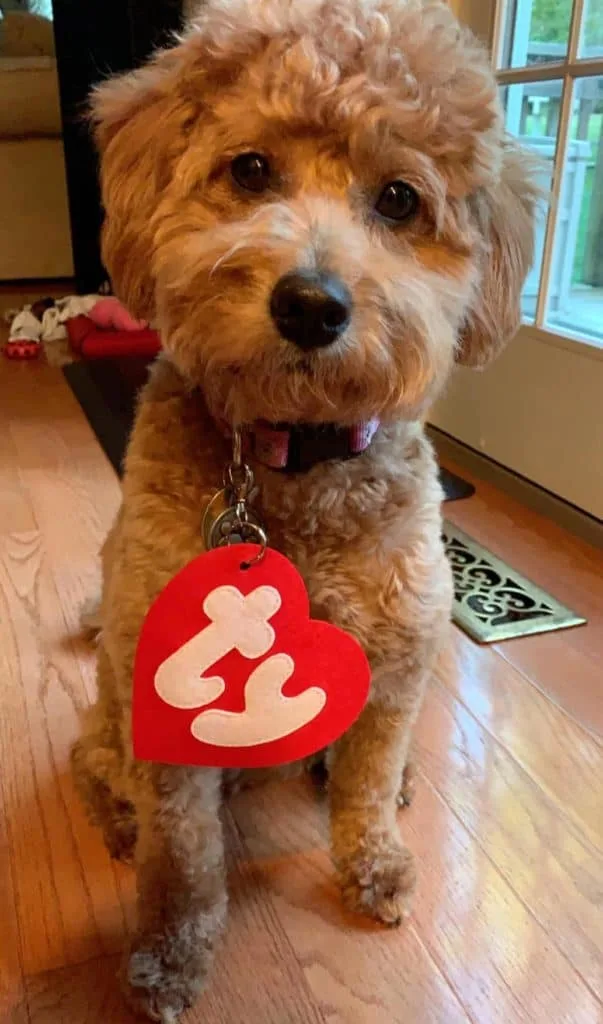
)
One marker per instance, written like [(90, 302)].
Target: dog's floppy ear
[(505, 216), (140, 122)]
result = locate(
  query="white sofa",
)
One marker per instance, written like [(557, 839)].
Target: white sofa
[(35, 238)]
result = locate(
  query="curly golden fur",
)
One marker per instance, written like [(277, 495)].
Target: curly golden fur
[(343, 96)]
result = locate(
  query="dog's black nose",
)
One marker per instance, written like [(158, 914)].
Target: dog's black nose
[(310, 308)]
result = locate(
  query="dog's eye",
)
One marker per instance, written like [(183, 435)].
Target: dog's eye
[(252, 172), (398, 201)]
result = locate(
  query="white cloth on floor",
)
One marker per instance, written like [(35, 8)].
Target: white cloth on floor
[(75, 305), (26, 325)]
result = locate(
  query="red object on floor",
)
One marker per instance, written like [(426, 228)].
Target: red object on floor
[(22, 348), (91, 342), (78, 328)]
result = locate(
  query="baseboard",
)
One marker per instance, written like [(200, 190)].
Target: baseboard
[(573, 519)]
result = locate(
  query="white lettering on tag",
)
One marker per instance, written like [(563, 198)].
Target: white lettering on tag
[(268, 714), (238, 623)]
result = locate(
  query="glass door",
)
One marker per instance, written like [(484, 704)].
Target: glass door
[(538, 410)]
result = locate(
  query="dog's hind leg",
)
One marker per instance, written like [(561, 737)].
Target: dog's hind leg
[(97, 765)]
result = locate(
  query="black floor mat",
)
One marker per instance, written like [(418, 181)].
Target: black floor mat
[(107, 395), (454, 486), (106, 390)]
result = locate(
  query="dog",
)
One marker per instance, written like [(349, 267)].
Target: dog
[(317, 204)]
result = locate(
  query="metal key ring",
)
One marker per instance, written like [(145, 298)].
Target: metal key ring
[(263, 542), (232, 479), (241, 516)]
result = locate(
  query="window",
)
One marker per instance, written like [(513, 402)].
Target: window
[(549, 59)]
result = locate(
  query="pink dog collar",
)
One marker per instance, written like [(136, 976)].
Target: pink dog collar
[(295, 448)]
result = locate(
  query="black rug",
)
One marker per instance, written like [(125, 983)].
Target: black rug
[(454, 486), (106, 389)]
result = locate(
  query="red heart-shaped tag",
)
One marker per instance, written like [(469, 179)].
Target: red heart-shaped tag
[(232, 672)]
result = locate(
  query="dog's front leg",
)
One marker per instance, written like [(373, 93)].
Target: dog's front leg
[(181, 889), (366, 768)]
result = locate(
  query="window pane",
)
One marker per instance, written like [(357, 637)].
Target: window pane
[(536, 31), (575, 298), (591, 43), (532, 115)]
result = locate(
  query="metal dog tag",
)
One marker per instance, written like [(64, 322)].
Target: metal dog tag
[(222, 523), (228, 529)]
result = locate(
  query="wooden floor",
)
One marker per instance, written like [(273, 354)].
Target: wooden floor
[(507, 825)]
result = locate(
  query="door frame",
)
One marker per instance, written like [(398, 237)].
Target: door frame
[(538, 410), (95, 39)]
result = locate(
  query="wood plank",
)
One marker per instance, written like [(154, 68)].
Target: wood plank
[(12, 996), (71, 486), (494, 952), (67, 902), (539, 851), (21, 661), (17, 521), (359, 972), (67, 911), (76, 494), (563, 673), (562, 758), (85, 993)]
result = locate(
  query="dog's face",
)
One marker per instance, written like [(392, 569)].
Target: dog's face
[(315, 202)]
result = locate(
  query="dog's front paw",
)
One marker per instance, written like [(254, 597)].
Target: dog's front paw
[(156, 990), (380, 881)]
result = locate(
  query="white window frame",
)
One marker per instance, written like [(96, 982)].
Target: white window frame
[(568, 70), (538, 409)]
